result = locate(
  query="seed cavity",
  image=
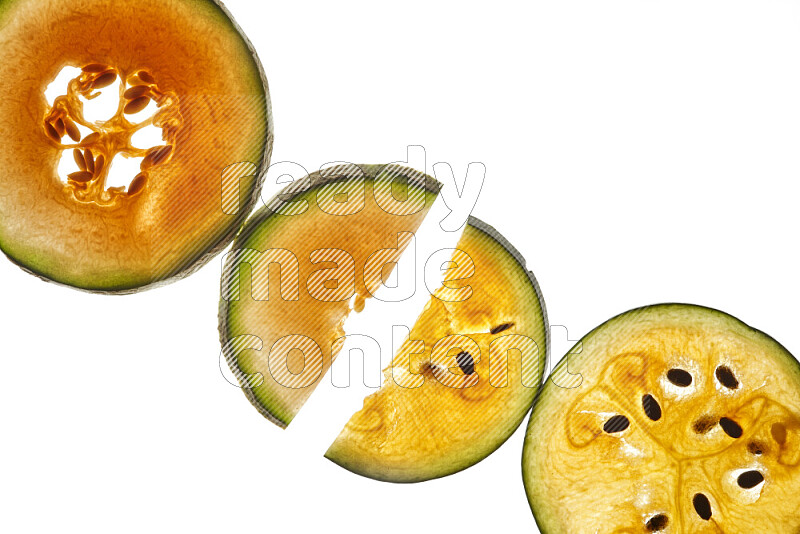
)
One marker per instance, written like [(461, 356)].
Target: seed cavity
[(704, 424), (618, 423), (679, 377), (750, 479), (465, 362), (501, 328), (651, 407), (657, 522), (731, 427), (726, 377), (755, 448), (778, 432), (702, 506)]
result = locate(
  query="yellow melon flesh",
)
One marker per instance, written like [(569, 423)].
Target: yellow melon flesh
[(325, 241), (599, 458), (192, 50), (432, 417)]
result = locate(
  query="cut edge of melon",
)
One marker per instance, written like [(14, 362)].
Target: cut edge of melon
[(259, 218), (357, 468)]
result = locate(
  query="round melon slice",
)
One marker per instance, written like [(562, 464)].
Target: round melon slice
[(465, 378), (191, 192), (302, 263), (671, 418)]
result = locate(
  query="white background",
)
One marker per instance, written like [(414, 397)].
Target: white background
[(637, 152)]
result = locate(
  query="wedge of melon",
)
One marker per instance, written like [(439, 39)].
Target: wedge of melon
[(301, 264), (192, 190), (671, 418), (465, 378)]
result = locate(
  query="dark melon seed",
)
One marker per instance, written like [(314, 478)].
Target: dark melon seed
[(731, 427), (704, 424), (750, 479), (651, 407), (616, 424), (501, 328), (679, 377), (727, 378), (702, 506), (657, 522), (466, 362)]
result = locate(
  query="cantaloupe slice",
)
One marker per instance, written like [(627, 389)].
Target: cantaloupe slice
[(192, 190), (671, 418), (298, 269), (459, 385)]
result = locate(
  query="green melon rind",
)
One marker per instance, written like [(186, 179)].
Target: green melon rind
[(356, 466), (262, 221), (38, 265), (656, 313)]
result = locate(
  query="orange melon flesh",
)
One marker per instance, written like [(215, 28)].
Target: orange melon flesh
[(728, 397), (194, 51), (328, 225), (432, 417)]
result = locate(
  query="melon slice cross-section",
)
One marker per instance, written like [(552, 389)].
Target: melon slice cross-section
[(465, 378), (670, 418), (318, 250), (190, 195)]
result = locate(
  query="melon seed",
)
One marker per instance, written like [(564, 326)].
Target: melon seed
[(616, 424), (731, 427), (145, 77), (704, 424), (72, 130), (136, 91), (750, 479), (778, 432), (679, 377), (51, 132), (657, 522), (94, 67), (137, 184), (651, 407), (91, 138), (60, 128), (136, 105), (80, 177), (501, 328), (465, 362), (702, 506), (77, 155), (727, 378), (87, 156), (104, 80), (99, 162)]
